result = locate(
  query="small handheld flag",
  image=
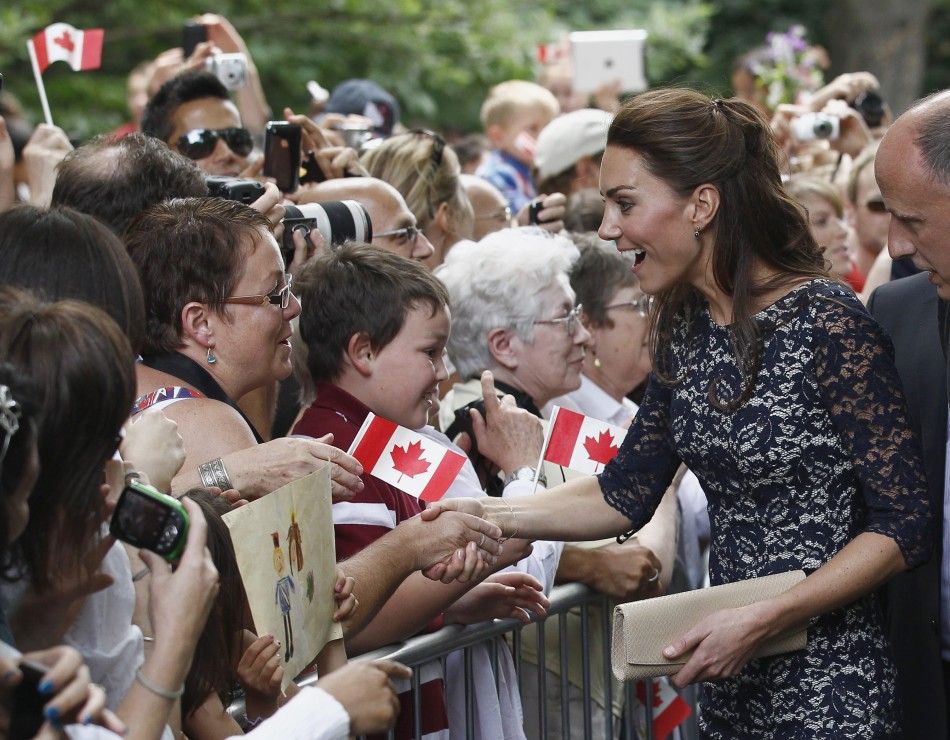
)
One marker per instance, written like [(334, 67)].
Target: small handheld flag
[(405, 459), (580, 442), (60, 42)]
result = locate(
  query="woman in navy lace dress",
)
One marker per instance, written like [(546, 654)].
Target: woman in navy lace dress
[(777, 389)]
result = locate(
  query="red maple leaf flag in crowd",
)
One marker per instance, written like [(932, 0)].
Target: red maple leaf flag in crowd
[(405, 459), (669, 708), (580, 442), (60, 42)]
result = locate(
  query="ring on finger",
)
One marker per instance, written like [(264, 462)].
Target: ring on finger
[(655, 576), (482, 540)]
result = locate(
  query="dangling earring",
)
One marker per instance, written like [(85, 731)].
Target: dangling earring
[(596, 358), (212, 359), (696, 233)]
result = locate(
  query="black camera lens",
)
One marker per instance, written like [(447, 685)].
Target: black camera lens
[(823, 129), (870, 105)]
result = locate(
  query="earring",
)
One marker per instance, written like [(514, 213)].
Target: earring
[(212, 359), (596, 361), (696, 233)]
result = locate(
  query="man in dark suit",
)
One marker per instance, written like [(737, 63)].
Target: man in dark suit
[(907, 309), (913, 170)]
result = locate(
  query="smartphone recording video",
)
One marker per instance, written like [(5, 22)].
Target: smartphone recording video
[(282, 154)]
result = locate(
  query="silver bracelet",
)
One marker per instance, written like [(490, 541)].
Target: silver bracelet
[(510, 511), (158, 690), (213, 473)]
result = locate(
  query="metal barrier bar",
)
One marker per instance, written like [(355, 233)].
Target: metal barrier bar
[(438, 645)]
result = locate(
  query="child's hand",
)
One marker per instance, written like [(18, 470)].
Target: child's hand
[(260, 672), (346, 601), (501, 596)]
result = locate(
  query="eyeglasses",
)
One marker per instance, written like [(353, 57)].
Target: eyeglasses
[(876, 206), (280, 297), (200, 142), (405, 234), (571, 321), (643, 304), (503, 213)]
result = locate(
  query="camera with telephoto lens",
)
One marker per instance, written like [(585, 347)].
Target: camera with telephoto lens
[(338, 221), (811, 126), (234, 188), (231, 69), (870, 105)]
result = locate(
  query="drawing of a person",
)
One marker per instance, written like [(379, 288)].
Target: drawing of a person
[(294, 543), (285, 585)]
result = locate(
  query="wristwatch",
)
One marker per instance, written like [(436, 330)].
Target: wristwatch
[(526, 473)]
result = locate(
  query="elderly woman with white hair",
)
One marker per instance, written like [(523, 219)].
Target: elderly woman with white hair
[(514, 313)]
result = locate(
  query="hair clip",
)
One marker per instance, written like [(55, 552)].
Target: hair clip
[(9, 418)]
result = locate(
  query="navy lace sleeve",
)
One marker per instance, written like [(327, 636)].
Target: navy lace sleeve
[(862, 392), (635, 480)]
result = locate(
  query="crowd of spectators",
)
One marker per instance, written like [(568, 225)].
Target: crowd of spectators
[(208, 347)]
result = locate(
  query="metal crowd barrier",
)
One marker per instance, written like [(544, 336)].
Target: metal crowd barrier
[(438, 645)]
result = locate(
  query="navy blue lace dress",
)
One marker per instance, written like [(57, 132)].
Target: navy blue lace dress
[(820, 453)]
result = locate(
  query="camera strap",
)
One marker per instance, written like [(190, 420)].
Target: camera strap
[(190, 372)]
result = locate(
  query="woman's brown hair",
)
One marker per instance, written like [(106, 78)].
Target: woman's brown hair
[(686, 139), (83, 368)]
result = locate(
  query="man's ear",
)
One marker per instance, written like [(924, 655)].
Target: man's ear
[(586, 171), (703, 205), (197, 325), (359, 354), (441, 217), (504, 346)]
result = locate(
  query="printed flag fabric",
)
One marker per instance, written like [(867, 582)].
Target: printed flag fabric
[(405, 459), (580, 442), (60, 42), (669, 708)]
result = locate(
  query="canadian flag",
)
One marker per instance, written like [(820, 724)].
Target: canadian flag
[(60, 42), (405, 459), (669, 709), (580, 442)]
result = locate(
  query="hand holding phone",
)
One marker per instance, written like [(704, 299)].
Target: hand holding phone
[(282, 154)]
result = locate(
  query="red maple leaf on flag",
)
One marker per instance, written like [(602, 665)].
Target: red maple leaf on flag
[(601, 450), (66, 41), (409, 461)]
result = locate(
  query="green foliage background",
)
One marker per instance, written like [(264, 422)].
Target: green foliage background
[(438, 56)]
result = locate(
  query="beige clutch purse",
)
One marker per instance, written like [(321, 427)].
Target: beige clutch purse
[(643, 628)]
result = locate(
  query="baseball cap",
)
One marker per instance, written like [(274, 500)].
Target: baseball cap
[(365, 98), (569, 137)]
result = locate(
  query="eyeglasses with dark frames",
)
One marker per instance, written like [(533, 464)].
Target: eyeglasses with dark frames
[(571, 321), (199, 143), (280, 297), (642, 305), (406, 234)]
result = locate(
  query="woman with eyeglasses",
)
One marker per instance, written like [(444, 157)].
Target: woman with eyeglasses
[(426, 172), (218, 307), (776, 388)]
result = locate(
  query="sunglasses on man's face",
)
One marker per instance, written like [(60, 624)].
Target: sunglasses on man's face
[(200, 142)]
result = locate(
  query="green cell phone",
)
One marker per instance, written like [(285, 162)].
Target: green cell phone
[(149, 519)]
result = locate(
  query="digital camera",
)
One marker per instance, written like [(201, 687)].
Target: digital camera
[(811, 126), (231, 69), (149, 519), (338, 221), (234, 188)]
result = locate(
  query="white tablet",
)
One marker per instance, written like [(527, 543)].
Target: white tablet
[(600, 57)]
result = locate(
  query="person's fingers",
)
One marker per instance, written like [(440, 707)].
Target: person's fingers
[(94, 705), (255, 650), (197, 532), (489, 394), (157, 566), (479, 427), (477, 527), (454, 566), (344, 586), (393, 669), (63, 662), (111, 722), (346, 608), (463, 441), (434, 572), (70, 696)]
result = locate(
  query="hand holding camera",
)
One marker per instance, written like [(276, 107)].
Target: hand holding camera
[(546, 211)]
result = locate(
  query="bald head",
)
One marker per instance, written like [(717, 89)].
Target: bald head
[(488, 204), (913, 171), (387, 210)]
